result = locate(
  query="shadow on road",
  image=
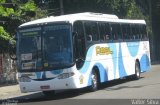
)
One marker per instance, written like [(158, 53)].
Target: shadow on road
[(38, 97), (117, 82)]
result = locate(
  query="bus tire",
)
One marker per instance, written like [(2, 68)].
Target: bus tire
[(49, 93), (94, 81), (137, 71)]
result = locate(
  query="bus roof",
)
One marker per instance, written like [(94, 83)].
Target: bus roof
[(83, 16)]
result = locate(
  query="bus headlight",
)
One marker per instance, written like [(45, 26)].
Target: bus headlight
[(24, 79), (65, 75)]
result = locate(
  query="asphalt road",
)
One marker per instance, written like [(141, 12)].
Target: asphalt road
[(145, 91)]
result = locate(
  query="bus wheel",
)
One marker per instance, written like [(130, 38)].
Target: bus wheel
[(137, 71), (94, 80), (49, 93)]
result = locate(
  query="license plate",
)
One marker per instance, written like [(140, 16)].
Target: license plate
[(45, 87)]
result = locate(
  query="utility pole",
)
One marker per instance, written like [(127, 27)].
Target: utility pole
[(61, 7)]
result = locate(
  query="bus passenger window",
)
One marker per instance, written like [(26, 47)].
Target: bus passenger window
[(138, 31), (126, 31), (141, 32), (80, 47), (91, 31), (113, 32), (116, 31), (144, 32), (134, 31), (104, 31)]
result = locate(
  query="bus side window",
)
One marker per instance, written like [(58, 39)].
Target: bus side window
[(138, 31), (104, 30), (107, 31), (114, 37), (101, 27), (80, 47), (134, 31), (128, 31), (144, 32), (141, 32), (116, 31), (91, 31), (124, 31), (119, 32)]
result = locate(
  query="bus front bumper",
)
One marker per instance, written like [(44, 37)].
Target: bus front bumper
[(53, 84)]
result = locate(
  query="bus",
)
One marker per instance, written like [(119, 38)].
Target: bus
[(80, 50)]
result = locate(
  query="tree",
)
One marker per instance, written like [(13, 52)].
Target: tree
[(12, 14), (4, 37)]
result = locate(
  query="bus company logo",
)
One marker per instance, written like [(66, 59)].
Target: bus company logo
[(103, 50)]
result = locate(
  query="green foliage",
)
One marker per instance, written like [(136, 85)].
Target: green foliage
[(4, 37), (6, 11), (29, 6), (12, 14), (2, 1), (134, 11), (3, 34), (122, 8)]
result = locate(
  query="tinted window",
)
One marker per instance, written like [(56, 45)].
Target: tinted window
[(104, 30), (116, 31), (126, 31), (91, 31), (143, 32), (80, 48)]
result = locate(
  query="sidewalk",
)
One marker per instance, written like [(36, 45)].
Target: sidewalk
[(10, 91)]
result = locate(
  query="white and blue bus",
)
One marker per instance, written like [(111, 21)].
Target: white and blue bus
[(80, 50)]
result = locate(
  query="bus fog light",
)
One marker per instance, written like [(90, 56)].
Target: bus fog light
[(65, 75)]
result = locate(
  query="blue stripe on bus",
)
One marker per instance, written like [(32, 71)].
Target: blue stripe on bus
[(38, 75), (144, 61), (85, 67), (102, 72), (133, 48)]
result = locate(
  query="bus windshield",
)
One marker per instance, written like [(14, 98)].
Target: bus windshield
[(47, 46), (57, 45)]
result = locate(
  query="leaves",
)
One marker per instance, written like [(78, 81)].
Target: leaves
[(3, 34), (29, 6), (12, 14), (6, 11)]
